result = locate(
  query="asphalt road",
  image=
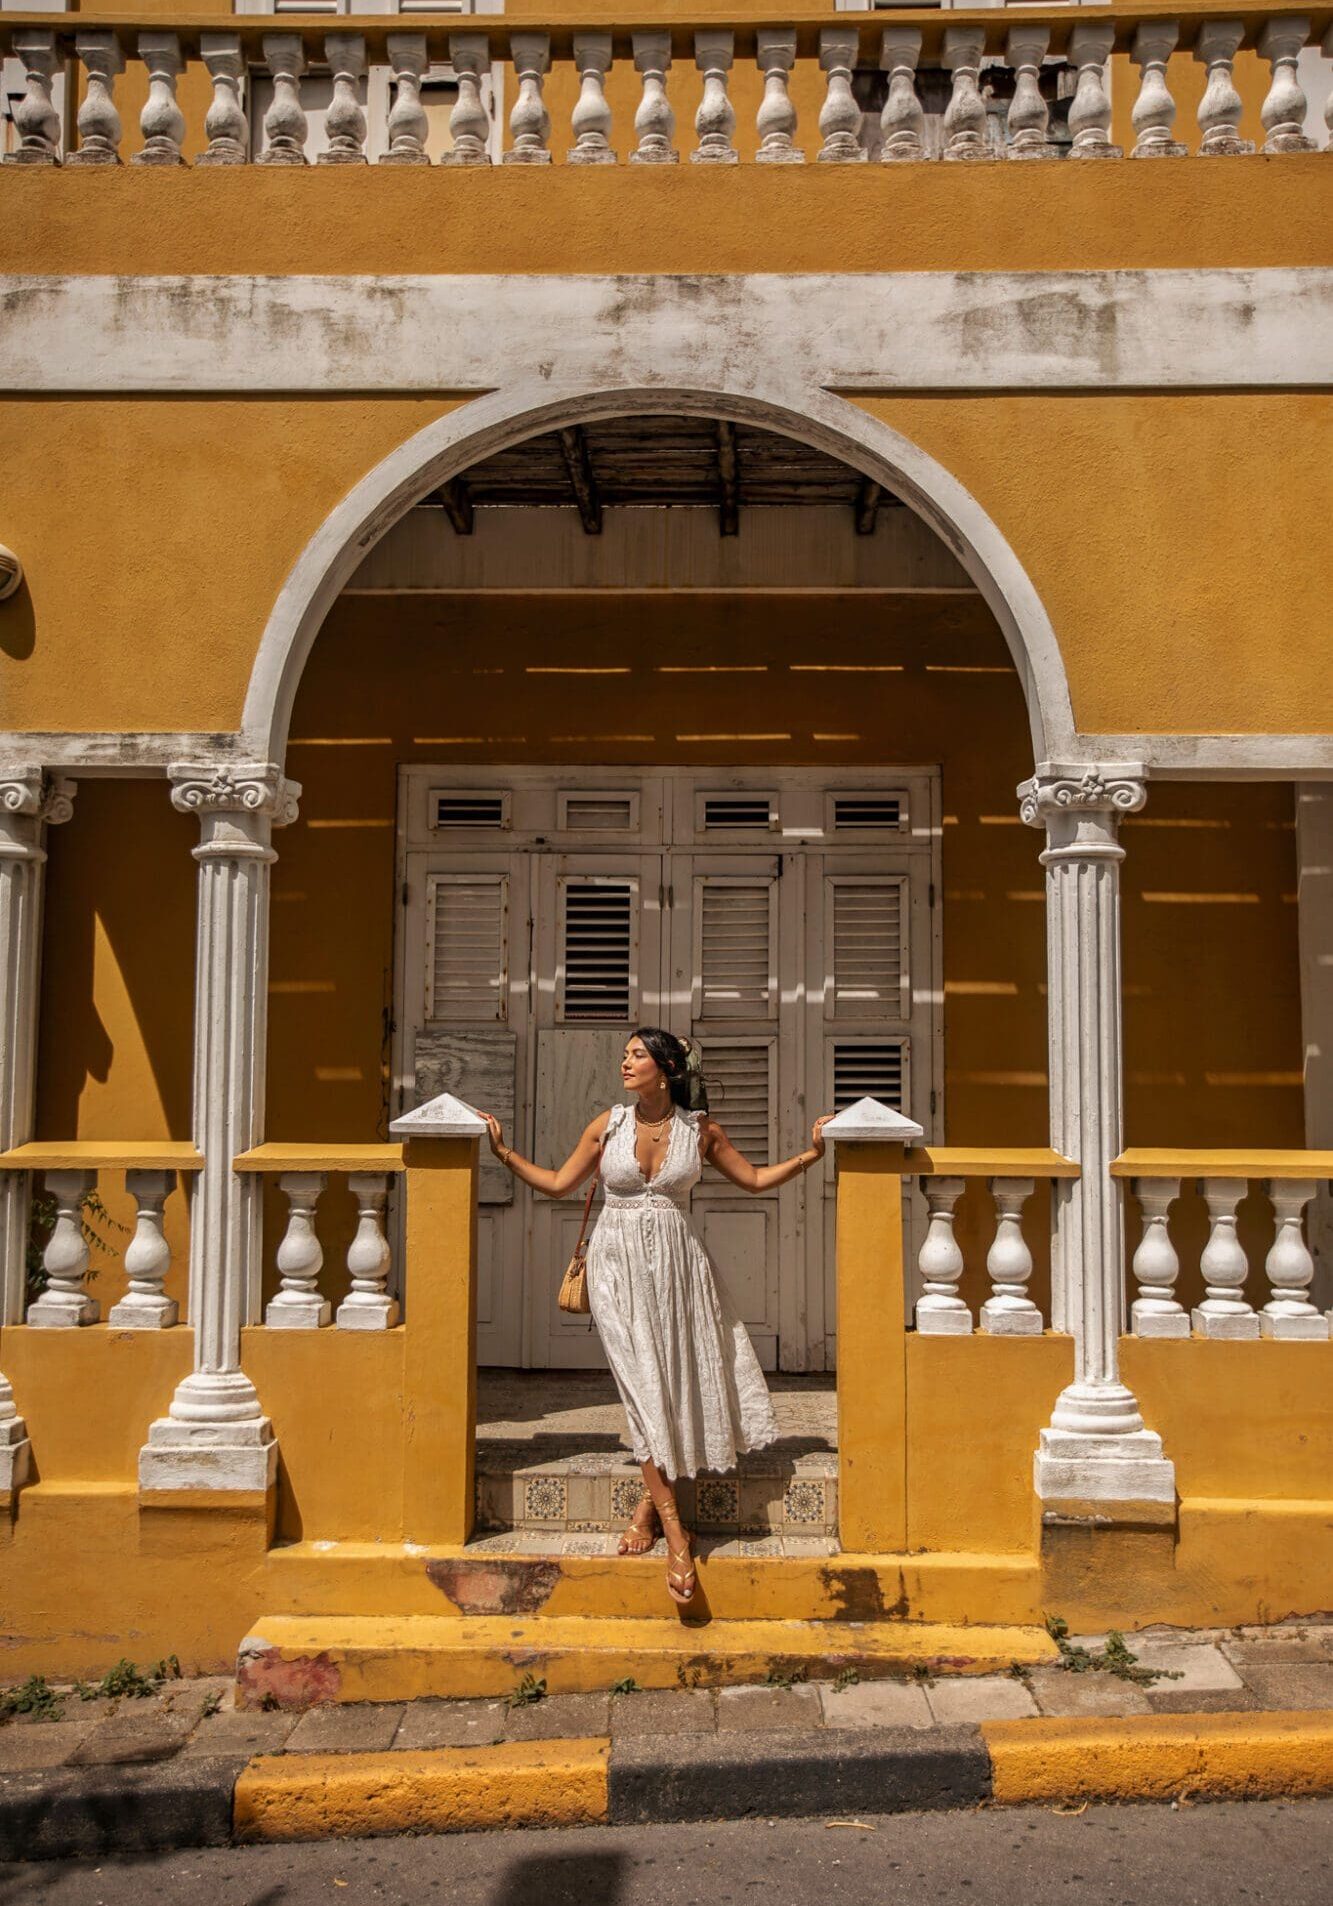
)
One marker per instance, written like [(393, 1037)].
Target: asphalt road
[(1114, 1856)]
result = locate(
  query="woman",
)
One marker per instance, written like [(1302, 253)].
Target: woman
[(687, 1374)]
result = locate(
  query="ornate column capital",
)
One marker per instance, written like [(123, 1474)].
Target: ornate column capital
[(1094, 788), (31, 793), (255, 788)]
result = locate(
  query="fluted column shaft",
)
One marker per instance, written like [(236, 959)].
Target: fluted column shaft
[(1096, 1446), (215, 1435), (28, 801)]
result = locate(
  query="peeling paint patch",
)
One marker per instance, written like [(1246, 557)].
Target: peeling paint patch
[(265, 1677), (858, 1594), (490, 1587)]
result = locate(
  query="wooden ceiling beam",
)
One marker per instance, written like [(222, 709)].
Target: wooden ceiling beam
[(868, 499), (582, 482), (454, 500), (729, 511)]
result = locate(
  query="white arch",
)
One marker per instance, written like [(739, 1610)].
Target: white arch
[(531, 406)]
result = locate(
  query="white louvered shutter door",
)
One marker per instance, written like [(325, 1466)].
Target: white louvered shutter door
[(867, 948), (467, 919), (598, 944), (735, 962)]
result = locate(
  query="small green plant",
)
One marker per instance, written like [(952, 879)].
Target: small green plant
[(1115, 1658), (126, 1679), (847, 1678), (529, 1689), (628, 1686), (779, 1677), (211, 1703), (35, 1696)]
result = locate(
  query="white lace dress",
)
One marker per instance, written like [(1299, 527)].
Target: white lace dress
[(685, 1368)]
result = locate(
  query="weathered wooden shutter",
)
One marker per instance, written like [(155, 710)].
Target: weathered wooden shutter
[(597, 945), (868, 961), (467, 959), (735, 956), (870, 1068), (739, 1074)]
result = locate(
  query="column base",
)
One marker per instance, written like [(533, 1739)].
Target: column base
[(1234, 1325), (1145, 1321), (1305, 1324), (52, 1312), (144, 1313), (241, 1457), (375, 1313), (15, 1457), (999, 1318), (945, 1321), (1070, 1465), (298, 1313)]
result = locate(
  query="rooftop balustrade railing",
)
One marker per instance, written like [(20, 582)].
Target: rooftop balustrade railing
[(1007, 83)]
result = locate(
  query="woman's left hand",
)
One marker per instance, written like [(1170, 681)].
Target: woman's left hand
[(817, 1134)]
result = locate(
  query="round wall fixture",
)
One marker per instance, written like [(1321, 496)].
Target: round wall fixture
[(11, 572)]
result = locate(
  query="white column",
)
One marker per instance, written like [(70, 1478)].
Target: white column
[(215, 1435), (1314, 889), (29, 801), (1096, 1446)]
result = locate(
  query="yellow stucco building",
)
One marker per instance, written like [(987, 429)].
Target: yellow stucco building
[(787, 527)]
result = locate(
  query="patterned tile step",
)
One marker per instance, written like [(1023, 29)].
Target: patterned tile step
[(556, 1542), (578, 1498)]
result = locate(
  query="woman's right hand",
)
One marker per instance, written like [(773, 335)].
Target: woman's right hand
[(496, 1132)]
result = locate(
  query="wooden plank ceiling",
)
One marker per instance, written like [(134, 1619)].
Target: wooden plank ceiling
[(660, 460)]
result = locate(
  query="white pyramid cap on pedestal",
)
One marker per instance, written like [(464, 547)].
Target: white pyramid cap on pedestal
[(869, 1119), (444, 1117)]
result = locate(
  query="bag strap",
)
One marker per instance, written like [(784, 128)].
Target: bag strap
[(592, 1193)]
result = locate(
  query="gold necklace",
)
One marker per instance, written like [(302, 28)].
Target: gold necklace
[(654, 1127)]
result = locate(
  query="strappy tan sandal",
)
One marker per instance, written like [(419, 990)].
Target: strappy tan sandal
[(643, 1530), (682, 1581)]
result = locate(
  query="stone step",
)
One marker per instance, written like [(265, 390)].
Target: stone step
[(541, 1486), (300, 1661)]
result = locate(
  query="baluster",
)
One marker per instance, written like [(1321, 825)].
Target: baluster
[(407, 124), (1029, 116), (902, 122), (298, 1305), (715, 121), (1010, 1312), (1220, 108), (840, 116), (64, 1303), (1154, 111), (1289, 1266), (940, 1311), (469, 122), (529, 121), (964, 123), (368, 1305), (1326, 48), (35, 118), (775, 55), (1283, 112), (161, 122), (1224, 1311), (1155, 1311), (1090, 110), (345, 122), (99, 122), (225, 122), (145, 1305), (654, 122), (285, 123), (591, 118)]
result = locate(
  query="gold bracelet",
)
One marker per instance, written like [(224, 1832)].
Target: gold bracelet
[(506, 1154)]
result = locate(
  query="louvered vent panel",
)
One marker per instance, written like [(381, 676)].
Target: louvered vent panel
[(867, 949), (734, 958), (598, 948), (471, 810), (733, 811), (738, 1093), (466, 972), (869, 1069), (597, 813), (877, 812)]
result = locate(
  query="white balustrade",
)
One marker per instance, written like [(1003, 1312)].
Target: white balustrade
[(1289, 1265), (591, 118), (99, 122), (1221, 108), (965, 115), (715, 121), (1029, 116), (161, 122), (285, 124), (1154, 111), (1156, 1311), (902, 122), (839, 116), (1090, 111), (65, 1304), (1283, 111), (225, 122), (775, 121), (298, 1304), (345, 122), (654, 122), (1224, 1311), (407, 125), (529, 121), (145, 1305), (368, 1305), (469, 122), (940, 1311), (36, 120), (1009, 1311)]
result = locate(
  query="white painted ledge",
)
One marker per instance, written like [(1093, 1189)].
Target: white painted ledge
[(870, 1121), (444, 1117)]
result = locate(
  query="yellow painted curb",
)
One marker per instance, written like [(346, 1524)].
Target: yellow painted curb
[(349, 1796), (1158, 1756)]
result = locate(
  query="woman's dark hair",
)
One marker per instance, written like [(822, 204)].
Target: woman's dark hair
[(680, 1065)]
